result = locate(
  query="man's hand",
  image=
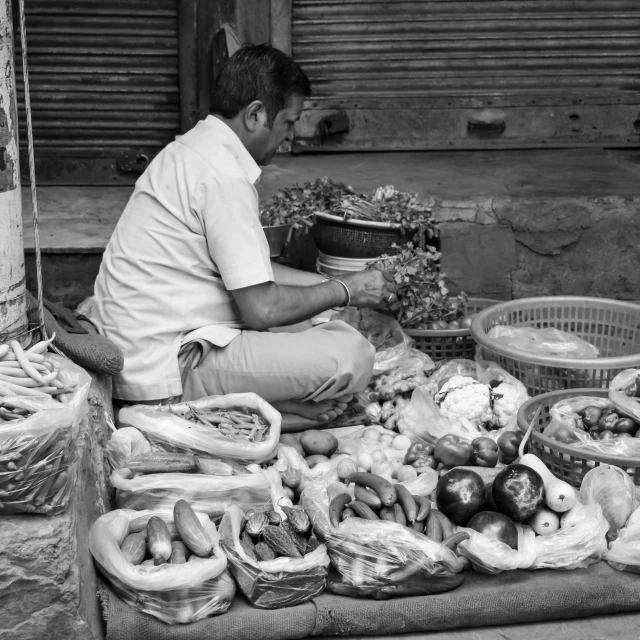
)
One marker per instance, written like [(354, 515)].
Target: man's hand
[(370, 288)]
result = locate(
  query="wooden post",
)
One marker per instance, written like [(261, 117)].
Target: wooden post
[(13, 314)]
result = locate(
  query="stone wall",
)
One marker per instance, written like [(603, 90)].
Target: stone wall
[(514, 248), (48, 583)]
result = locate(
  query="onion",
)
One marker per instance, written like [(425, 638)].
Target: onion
[(614, 491)]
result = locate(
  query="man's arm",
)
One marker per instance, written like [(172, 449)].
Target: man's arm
[(268, 305), (294, 277)]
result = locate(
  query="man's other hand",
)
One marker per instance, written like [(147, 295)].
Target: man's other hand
[(370, 288)]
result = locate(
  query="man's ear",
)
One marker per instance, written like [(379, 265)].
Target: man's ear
[(254, 115)]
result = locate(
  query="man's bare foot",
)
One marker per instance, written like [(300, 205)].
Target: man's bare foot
[(324, 411)]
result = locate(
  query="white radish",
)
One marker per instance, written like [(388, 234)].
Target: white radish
[(544, 521), (559, 496), (572, 517)]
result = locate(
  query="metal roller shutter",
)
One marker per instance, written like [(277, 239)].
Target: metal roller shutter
[(468, 74), (104, 85)]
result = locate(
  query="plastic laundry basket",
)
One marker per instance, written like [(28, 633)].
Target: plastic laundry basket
[(567, 462), (611, 325)]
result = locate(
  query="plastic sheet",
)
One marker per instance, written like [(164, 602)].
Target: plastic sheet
[(173, 593), (37, 453), (548, 341), (164, 425), (272, 584), (212, 495), (371, 554), (422, 416), (624, 393)]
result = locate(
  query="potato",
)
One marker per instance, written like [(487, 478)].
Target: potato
[(312, 461), (318, 443), (290, 440)]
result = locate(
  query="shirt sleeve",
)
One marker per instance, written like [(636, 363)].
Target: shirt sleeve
[(236, 241)]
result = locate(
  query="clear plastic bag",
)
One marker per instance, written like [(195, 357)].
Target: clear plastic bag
[(547, 341), (575, 547), (164, 425), (37, 453), (624, 393), (491, 556), (624, 551), (212, 495), (173, 593), (422, 416), (391, 343), (272, 584), (124, 444), (564, 416), (371, 554)]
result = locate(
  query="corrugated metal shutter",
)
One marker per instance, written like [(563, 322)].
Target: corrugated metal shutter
[(103, 81), (453, 73)]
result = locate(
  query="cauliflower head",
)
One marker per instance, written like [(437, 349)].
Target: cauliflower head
[(506, 404), (463, 398)]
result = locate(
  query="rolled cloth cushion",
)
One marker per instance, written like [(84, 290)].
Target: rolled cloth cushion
[(89, 350)]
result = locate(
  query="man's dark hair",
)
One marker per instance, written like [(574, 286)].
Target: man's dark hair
[(257, 72)]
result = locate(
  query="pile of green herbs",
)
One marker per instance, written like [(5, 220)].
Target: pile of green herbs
[(299, 205), (422, 296)]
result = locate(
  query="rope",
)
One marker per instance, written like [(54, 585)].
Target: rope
[(32, 168)]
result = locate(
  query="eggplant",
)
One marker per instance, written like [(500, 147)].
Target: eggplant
[(590, 416), (495, 525), (625, 425), (460, 494), (518, 491), (607, 420)]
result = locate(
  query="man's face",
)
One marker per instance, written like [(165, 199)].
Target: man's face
[(266, 141)]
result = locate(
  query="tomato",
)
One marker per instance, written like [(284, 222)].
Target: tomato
[(438, 325), (466, 322), (453, 325), (565, 435)]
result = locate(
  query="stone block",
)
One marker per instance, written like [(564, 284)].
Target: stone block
[(48, 583)]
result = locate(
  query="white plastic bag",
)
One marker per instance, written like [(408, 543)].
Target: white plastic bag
[(547, 341), (37, 453), (164, 425), (212, 495), (564, 415), (173, 593), (272, 584), (575, 547), (612, 489), (126, 443), (491, 556), (624, 551), (624, 393), (423, 418)]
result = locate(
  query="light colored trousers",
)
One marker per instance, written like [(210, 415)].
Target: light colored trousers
[(319, 363)]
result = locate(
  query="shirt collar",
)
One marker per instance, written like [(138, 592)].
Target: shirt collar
[(246, 162)]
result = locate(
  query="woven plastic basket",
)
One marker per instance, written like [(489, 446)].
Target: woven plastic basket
[(611, 325), (564, 461), (450, 343), (349, 240)]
